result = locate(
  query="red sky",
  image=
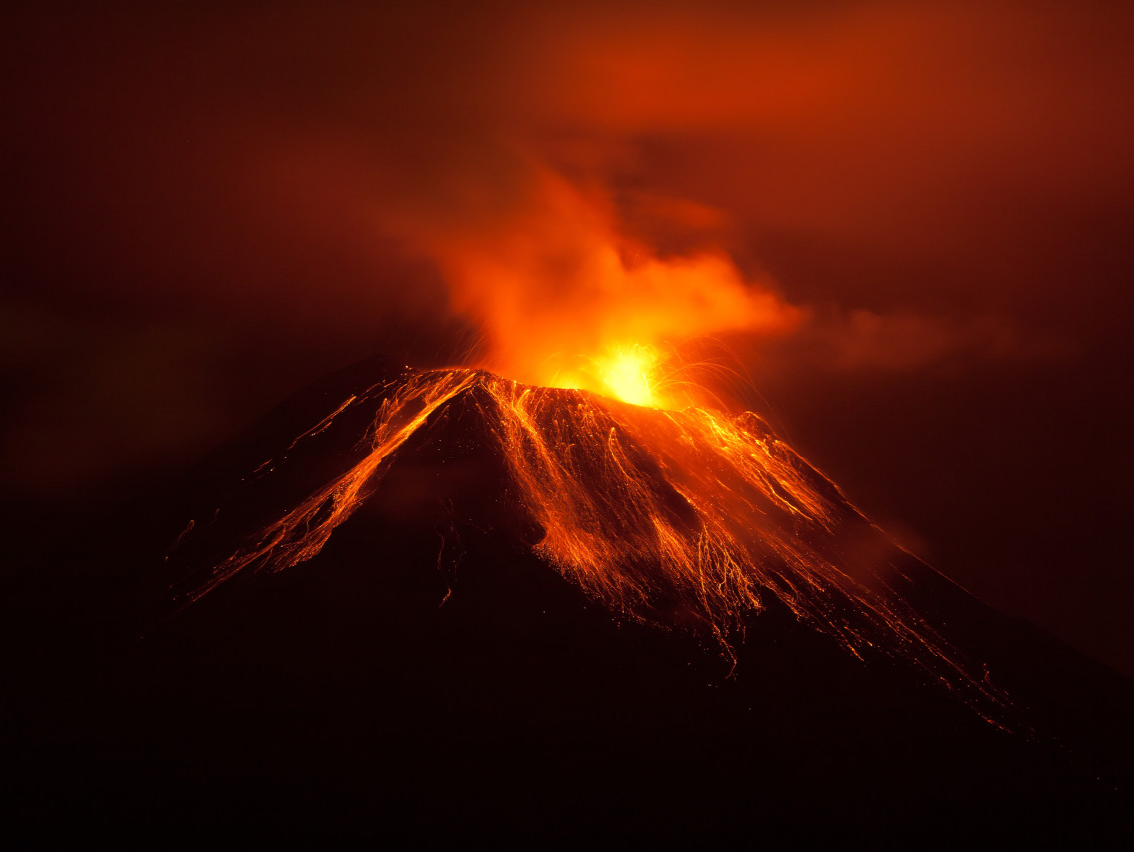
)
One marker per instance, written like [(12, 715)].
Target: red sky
[(205, 209)]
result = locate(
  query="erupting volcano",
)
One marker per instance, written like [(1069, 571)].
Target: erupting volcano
[(530, 425), (568, 579), (610, 458)]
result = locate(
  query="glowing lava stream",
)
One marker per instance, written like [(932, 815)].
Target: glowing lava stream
[(677, 518)]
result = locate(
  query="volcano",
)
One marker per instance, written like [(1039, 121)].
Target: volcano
[(443, 606)]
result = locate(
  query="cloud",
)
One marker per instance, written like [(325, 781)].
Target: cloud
[(903, 342), (311, 184)]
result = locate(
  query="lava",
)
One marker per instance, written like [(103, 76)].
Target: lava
[(630, 373), (685, 519)]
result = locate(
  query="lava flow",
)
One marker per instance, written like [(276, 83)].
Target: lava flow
[(684, 519)]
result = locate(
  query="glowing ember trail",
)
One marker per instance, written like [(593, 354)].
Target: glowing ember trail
[(677, 518)]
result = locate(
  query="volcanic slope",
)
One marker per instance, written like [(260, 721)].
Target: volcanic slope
[(458, 607)]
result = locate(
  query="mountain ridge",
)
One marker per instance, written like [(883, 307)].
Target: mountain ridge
[(401, 685)]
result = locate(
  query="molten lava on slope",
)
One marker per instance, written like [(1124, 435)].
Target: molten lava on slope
[(683, 519)]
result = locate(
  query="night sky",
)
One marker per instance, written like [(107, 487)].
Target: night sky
[(206, 209)]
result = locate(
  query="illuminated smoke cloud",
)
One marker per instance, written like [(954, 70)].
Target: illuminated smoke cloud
[(563, 297)]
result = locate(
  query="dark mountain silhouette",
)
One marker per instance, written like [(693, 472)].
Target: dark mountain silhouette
[(435, 671)]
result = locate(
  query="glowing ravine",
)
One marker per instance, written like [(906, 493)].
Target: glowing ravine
[(677, 518)]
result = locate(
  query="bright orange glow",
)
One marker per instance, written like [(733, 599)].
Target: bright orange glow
[(631, 373), (628, 374), (684, 519), (566, 299)]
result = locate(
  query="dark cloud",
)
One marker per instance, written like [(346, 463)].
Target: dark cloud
[(206, 207)]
